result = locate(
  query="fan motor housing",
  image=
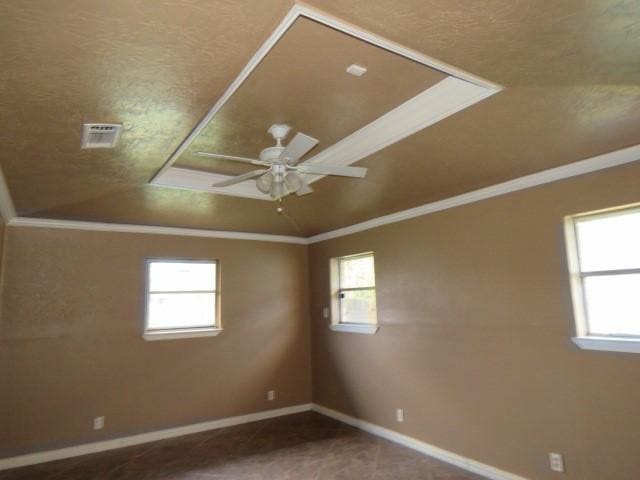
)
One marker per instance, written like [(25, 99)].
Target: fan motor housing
[(278, 131), (271, 154)]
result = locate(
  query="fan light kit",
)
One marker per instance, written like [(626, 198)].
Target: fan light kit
[(283, 175)]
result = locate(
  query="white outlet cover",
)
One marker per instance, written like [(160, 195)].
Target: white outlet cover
[(400, 415), (325, 312), (98, 423), (271, 395), (556, 462)]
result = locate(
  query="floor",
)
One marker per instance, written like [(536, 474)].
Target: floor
[(305, 446)]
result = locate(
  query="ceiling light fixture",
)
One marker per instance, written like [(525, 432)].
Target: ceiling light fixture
[(356, 70), (265, 182), (282, 175)]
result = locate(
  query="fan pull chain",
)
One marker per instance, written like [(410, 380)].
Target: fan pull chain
[(281, 211)]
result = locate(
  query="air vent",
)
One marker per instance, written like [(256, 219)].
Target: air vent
[(100, 135)]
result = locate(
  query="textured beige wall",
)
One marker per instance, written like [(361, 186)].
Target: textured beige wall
[(475, 340), (71, 345)]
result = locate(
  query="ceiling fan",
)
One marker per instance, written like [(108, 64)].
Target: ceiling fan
[(283, 175)]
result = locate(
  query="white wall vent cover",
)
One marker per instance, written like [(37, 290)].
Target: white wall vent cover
[(100, 135)]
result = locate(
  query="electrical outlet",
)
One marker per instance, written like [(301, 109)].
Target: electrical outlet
[(325, 312), (271, 395), (400, 415), (556, 462), (98, 423)]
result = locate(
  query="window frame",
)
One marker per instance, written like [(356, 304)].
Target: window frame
[(187, 332), (583, 338), (337, 324)]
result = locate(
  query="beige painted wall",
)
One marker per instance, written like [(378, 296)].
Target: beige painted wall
[(474, 345), (71, 345), (475, 340)]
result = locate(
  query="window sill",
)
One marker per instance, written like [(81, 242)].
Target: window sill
[(354, 328), (186, 333), (608, 344)]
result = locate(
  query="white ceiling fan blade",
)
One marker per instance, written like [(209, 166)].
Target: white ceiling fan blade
[(297, 147), (305, 189), (295, 183), (254, 161), (239, 178), (316, 168)]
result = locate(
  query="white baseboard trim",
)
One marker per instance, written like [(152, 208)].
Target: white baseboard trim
[(451, 458), (94, 447)]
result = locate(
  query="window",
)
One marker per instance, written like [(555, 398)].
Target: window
[(604, 262), (354, 294), (182, 299)]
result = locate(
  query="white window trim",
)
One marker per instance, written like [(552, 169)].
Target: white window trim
[(336, 325), (608, 344), (178, 333), (153, 335), (366, 328), (583, 339)]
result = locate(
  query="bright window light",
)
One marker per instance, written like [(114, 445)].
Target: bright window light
[(604, 259), (181, 295), (357, 289)]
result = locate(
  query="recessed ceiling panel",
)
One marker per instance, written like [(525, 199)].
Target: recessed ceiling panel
[(303, 82), (158, 66)]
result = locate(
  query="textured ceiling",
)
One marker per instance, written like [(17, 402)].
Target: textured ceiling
[(571, 71), (302, 82)]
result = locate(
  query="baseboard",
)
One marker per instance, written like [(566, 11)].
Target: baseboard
[(465, 463), (94, 447)]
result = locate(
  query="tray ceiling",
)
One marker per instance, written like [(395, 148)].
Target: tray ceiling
[(302, 82), (570, 70), (299, 76)]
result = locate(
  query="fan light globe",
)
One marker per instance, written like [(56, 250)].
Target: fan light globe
[(278, 190), (293, 181), (265, 182)]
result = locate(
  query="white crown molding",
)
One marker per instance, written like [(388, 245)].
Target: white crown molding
[(151, 229), (7, 210), (449, 96), (593, 164), (446, 456), (77, 450)]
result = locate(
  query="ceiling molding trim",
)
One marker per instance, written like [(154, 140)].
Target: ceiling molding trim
[(280, 30), (190, 179), (303, 10), (589, 165), (392, 46), (7, 209), (436, 103), (151, 229), (593, 164)]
